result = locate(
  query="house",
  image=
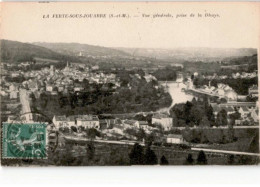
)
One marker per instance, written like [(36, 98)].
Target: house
[(238, 122), (103, 124), (149, 78), (255, 115), (14, 94), (132, 123), (253, 91), (244, 111), (118, 129), (13, 87), (33, 85), (59, 121), (229, 110), (49, 88), (231, 95), (60, 88), (143, 125), (71, 121), (196, 74), (174, 139), (88, 121), (163, 120)]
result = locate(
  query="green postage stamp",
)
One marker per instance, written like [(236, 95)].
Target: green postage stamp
[(24, 140)]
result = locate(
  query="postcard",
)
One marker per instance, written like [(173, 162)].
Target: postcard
[(129, 83)]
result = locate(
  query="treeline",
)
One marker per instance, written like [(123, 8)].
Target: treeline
[(166, 74), (250, 60), (194, 113), (200, 113), (206, 136)]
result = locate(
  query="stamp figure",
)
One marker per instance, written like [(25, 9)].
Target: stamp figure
[(27, 140)]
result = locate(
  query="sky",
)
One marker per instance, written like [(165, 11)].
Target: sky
[(236, 27)]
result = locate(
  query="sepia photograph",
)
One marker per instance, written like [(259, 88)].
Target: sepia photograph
[(129, 83)]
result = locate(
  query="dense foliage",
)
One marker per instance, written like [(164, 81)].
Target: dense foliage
[(195, 113), (166, 74)]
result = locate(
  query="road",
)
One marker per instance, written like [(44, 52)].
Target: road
[(26, 109), (223, 127), (225, 151), (125, 142)]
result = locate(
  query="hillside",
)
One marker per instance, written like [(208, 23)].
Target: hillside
[(191, 54), (76, 49), (13, 51)]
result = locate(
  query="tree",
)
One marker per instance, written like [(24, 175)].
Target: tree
[(149, 157), (90, 150), (204, 122), (189, 159), (223, 100), (196, 115), (222, 118), (235, 116), (231, 159), (92, 133), (194, 101), (74, 129), (150, 138), (202, 160), (210, 114), (136, 155), (164, 161), (140, 135)]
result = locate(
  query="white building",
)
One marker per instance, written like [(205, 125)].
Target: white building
[(174, 139), (244, 111), (88, 121), (163, 120), (59, 121), (131, 124), (231, 95), (255, 115)]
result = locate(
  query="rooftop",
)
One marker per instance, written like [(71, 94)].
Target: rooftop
[(174, 136), (159, 116), (130, 122)]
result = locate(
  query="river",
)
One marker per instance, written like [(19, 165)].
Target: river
[(177, 95)]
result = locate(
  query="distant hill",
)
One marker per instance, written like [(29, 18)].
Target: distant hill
[(76, 49), (191, 54), (13, 51)]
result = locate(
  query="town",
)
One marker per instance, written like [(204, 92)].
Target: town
[(168, 108)]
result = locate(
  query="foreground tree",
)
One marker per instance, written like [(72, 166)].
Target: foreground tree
[(202, 160), (189, 159), (136, 155), (164, 161), (231, 159), (90, 150), (149, 157)]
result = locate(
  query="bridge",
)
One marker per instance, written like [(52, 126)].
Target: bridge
[(205, 93)]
